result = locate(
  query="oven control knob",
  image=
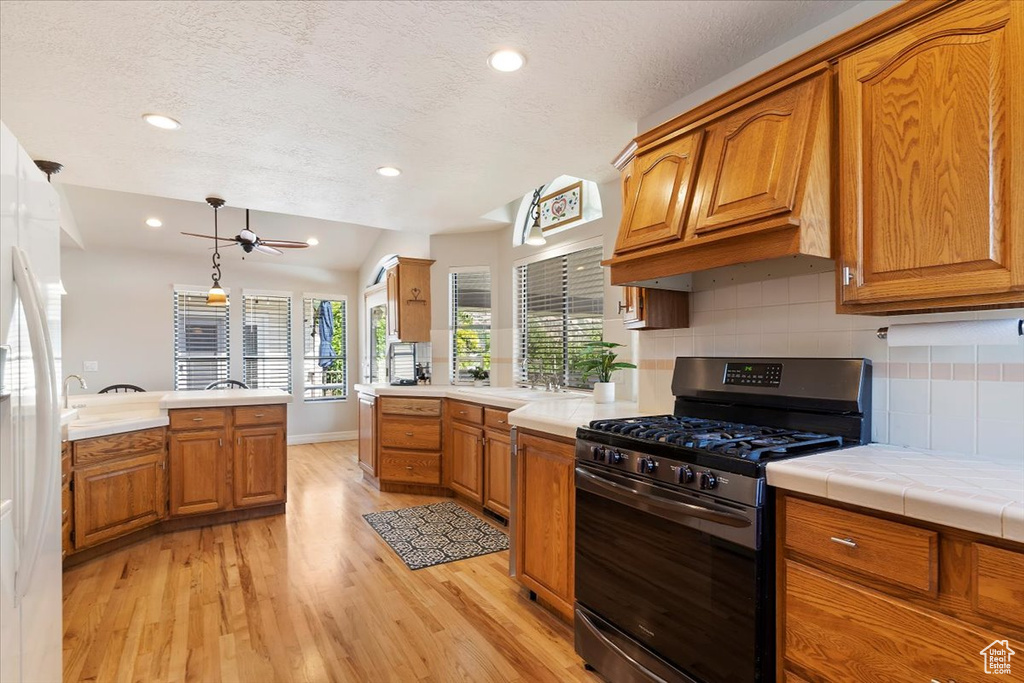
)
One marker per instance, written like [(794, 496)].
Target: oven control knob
[(615, 457), (646, 465), (707, 480), (598, 453), (685, 474)]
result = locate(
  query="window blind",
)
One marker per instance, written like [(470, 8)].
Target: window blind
[(267, 342), (559, 309), (324, 365), (470, 323), (200, 341)]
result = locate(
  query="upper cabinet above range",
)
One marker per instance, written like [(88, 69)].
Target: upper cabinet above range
[(931, 163), (408, 295), (895, 149), (748, 183)]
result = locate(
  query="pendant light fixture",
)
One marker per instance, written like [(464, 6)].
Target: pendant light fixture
[(217, 296), (535, 236)]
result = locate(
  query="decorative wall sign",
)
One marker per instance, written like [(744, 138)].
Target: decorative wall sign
[(562, 207)]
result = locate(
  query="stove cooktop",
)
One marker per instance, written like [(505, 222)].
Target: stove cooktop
[(731, 439)]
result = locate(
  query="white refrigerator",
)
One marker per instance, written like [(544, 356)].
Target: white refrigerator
[(30, 534)]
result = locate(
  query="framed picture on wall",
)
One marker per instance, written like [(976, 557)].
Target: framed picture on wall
[(560, 208)]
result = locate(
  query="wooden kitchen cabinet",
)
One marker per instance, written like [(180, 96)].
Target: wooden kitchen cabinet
[(644, 308), (199, 463), (759, 175), (546, 519), (116, 485), (760, 162), (409, 441), (259, 470), (869, 596), (467, 459), (497, 471), (931, 163), (119, 496), (657, 188), (368, 434), (408, 300)]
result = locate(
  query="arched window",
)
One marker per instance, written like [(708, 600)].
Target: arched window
[(378, 275)]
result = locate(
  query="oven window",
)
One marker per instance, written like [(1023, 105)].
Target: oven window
[(688, 596)]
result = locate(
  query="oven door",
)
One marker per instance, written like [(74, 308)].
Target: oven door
[(678, 573)]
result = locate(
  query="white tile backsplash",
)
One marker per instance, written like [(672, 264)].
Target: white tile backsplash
[(964, 399)]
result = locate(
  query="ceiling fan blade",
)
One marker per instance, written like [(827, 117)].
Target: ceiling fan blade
[(226, 246), (267, 250), (284, 244), (209, 237)]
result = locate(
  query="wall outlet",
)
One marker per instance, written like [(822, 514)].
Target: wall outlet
[(91, 366)]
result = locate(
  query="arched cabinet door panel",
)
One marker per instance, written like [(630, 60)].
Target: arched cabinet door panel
[(756, 160), (931, 159), (657, 190)]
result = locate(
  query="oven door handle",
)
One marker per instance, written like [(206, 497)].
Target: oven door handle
[(640, 499)]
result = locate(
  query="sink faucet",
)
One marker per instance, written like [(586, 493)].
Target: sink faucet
[(67, 380)]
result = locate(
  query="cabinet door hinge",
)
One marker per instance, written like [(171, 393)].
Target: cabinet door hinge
[(71, 484), (72, 536)]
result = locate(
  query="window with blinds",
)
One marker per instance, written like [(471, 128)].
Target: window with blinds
[(267, 341), (559, 305), (470, 323), (200, 341), (324, 364)]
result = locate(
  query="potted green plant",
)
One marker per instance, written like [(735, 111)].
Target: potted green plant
[(600, 361), (479, 376)]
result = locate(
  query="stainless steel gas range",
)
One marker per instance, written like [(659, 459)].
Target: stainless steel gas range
[(674, 533)]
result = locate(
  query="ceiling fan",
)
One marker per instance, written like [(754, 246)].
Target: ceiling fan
[(247, 239)]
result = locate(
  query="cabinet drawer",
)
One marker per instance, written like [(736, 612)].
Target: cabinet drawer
[(103, 448), (259, 415), (496, 418), (896, 553), (998, 582), (422, 407), (198, 418), (412, 468), (415, 433), (466, 412), (843, 632)]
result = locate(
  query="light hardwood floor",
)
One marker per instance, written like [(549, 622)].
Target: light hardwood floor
[(312, 595)]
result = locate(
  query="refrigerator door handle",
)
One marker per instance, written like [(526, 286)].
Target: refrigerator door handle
[(47, 424)]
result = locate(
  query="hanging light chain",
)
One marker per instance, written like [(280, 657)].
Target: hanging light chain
[(216, 249)]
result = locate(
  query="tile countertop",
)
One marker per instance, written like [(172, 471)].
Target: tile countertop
[(964, 492), (106, 414), (542, 411)]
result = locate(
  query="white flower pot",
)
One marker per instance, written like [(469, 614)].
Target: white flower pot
[(604, 392)]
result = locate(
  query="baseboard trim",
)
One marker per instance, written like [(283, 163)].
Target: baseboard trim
[(297, 439)]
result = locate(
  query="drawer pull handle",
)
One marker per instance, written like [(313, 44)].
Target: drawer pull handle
[(462, 412), (408, 467), (258, 415), (408, 433), (848, 542), (197, 419)]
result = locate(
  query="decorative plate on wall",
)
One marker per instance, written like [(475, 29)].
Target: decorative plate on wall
[(562, 207)]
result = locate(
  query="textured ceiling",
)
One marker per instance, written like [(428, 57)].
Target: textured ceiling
[(106, 218), (290, 106)]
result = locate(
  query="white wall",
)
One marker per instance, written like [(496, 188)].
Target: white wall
[(119, 312), (805, 41)]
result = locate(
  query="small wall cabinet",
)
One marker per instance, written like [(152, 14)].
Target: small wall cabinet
[(408, 300), (643, 308)]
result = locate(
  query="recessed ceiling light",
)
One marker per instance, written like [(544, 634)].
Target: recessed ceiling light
[(389, 171), (506, 60), (312, 241), (161, 121), (154, 222)]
